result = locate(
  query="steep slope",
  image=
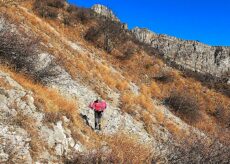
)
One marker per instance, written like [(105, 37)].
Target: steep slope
[(67, 72)]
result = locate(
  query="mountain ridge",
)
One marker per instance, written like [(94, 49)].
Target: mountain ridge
[(179, 51)]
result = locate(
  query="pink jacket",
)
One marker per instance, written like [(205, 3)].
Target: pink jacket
[(99, 106)]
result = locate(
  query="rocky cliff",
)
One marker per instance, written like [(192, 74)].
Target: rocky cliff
[(192, 55), (104, 11)]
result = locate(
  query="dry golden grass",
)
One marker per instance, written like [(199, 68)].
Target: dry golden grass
[(122, 85), (120, 148), (207, 125), (155, 90), (4, 84), (54, 105), (145, 102), (75, 64), (208, 99), (130, 103), (133, 69), (127, 149), (160, 116), (148, 120), (175, 129), (143, 99), (28, 124)]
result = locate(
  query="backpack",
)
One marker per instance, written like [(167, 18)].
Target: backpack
[(99, 106)]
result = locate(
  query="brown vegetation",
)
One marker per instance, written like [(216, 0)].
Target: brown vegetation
[(53, 104), (15, 48), (184, 104), (120, 148), (4, 84), (28, 124), (136, 66)]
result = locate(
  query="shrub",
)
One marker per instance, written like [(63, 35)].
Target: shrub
[(66, 20), (92, 34), (82, 14), (50, 3), (197, 150), (219, 112), (45, 10), (222, 114), (71, 9), (128, 149), (99, 156), (183, 104), (52, 117), (165, 76), (127, 54), (148, 66), (15, 48), (56, 3), (51, 13), (109, 35)]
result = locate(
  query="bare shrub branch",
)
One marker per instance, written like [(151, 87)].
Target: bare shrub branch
[(184, 104)]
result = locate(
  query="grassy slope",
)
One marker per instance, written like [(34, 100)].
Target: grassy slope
[(140, 68)]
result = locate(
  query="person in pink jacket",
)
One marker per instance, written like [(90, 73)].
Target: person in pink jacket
[(98, 107)]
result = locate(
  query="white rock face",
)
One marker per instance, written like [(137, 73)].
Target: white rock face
[(192, 55), (16, 105), (104, 11), (14, 145)]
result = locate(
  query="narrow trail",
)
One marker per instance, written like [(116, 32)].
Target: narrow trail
[(114, 119)]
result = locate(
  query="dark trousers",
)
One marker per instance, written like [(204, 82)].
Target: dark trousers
[(98, 115)]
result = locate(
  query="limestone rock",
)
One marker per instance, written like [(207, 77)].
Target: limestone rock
[(104, 11), (17, 104), (14, 145), (192, 55)]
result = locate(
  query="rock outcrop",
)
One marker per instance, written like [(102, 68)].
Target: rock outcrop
[(104, 11), (191, 55), (24, 129)]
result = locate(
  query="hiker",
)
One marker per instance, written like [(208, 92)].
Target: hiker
[(98, 107)]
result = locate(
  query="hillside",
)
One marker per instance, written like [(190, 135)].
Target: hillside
[(56, 58)]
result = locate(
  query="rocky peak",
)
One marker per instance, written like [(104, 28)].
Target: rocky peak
[(191, 55), (143, 34), (104, 11)]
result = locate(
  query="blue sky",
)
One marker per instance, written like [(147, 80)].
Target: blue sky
[(205, 20)]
